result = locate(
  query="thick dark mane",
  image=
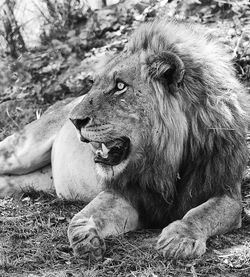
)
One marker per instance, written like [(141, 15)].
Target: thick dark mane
[(200, 149)]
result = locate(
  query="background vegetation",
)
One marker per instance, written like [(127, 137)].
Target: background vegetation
[(33, 228)]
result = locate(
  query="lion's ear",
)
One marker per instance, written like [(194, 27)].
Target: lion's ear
[(167, 68)]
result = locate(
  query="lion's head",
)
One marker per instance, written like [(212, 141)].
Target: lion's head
[(164, 108)]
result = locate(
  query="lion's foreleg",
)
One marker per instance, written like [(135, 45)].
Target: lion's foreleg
[(39, 180), (108, 214), (30, 148), (23, 152), (187, 237)]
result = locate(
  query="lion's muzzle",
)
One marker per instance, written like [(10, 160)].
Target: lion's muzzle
[(107, 150)]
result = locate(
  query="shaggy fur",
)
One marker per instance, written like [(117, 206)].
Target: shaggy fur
[(182, 114), (198, 148)]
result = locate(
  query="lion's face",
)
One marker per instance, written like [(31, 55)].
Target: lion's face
[(114, 117)]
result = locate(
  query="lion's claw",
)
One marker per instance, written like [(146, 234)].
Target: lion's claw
[(85, 240), (178, 241)]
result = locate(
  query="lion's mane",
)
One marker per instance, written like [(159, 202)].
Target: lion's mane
[(199, 150)]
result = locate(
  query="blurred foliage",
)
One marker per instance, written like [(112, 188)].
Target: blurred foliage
[(15, 43)]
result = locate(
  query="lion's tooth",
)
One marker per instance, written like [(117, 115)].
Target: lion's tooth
[(98, 152), (105, 150), (101, 153)]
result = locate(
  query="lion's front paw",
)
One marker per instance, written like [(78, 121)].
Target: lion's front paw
[(85, 240), (178, 240)]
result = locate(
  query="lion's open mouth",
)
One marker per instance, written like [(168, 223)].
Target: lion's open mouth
[(110, 152)]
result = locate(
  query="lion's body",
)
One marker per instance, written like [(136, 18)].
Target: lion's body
[(76, 179), (72, 175), (164, 139)]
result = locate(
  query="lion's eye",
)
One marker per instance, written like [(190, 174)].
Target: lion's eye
[(120, 88), (120, 85)]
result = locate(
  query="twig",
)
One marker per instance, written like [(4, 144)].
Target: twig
[(17, 218), (8, 114), (193, 271), (237, 45)]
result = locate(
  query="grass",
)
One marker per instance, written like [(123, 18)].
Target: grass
[(34, 243)]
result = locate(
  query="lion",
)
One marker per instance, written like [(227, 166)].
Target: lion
[(158, 142)]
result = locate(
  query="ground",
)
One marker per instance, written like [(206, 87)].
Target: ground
[(34, 243), (33, 228)]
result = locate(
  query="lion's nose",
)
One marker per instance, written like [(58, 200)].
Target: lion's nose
[(80, 122)]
